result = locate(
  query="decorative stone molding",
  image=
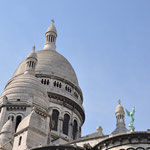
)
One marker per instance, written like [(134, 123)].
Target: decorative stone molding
[(60, 147), (62, 80), (70, 104), (128, 139), (15, 107)]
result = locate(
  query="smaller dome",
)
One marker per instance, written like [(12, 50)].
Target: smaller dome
[(28, 89), (119, 109), (52, 28), (32, 54)]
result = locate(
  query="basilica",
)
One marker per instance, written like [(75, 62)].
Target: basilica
[(41, 108)]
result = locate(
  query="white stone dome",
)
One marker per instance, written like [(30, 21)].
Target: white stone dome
[(32, 54), (51, 63), (52, 28), (28, 89), (119, 109)]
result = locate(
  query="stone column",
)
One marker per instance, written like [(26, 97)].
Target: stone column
[(2, 116), (48, 130), (60, 125), (70, 130), (3, 111)]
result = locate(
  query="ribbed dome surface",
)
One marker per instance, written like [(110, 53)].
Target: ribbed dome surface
[(28, 89), (32, 54), (51, 63), (119, 109), (51, 28)]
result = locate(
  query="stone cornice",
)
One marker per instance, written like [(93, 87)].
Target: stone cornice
[(30, 128), (83, 139), (60, 147), (62, 100), (23, 107), (123, 139), (11, 106)]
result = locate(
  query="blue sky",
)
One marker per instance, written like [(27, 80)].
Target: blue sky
[(106, 41)]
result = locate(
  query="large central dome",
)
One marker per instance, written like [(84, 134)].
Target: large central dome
[(47, 81), (60, 81), (51, 63)]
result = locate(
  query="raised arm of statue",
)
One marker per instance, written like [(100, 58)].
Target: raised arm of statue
[(128, 113), (133, 110)]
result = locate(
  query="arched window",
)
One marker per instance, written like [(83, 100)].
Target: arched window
[(66, 87), (11, 117), (18, 120), (42, 81), (55, 83), (60, 85), (55, 116), (47, 82), (20, 138), (66, 124), (75, 129)]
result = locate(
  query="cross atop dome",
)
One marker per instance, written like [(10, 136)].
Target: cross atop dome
[(50, 37), (53, 21), (33, 48), (120, 119), (31, 62), (119, 102)]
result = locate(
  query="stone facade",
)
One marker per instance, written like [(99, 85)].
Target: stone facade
[(45, 81), (41, 108)]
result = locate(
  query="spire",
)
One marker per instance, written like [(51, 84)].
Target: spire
[(50, 37), (120, 119), (119, 102), (33, 48), (120, 113), (53, 21), (31, 62)]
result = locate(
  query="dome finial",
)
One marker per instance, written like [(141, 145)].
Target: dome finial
[(119, 102), (50, 37), (33, 48), (120, 119), (31, 62), (52, 21)]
